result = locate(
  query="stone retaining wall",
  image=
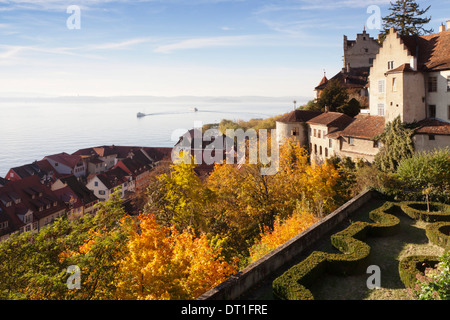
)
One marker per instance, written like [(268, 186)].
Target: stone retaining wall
[(245, 279)]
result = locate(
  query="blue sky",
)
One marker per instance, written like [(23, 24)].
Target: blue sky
[(179, 47)]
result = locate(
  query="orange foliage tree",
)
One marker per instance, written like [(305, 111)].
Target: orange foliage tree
[(282, 232), (164, 263)]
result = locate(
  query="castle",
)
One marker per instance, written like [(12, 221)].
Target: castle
[(406, 76)]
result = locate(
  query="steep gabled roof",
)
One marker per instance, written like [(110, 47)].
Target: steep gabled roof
[(432, 51), (80, 190), (67, 159), (113, 177)]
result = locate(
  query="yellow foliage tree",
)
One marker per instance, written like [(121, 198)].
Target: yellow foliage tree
[(164, 263), (282, 232)]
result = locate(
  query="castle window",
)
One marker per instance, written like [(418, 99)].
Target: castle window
[(314, 132), (432, 111), (315, 148), (381, 109), (432, 84), (390, 65), (376, 144), (431, 137), (294, 132), (326, 152), (380, 86), (320, 152), (448, 83), (330, 142), (394, 84), (351, 141), (318, 133)]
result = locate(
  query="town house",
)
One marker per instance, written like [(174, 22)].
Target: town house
[(27, 205)]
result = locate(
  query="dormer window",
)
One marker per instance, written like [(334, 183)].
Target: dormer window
[(8, 204), (41, 208), (28, 218)]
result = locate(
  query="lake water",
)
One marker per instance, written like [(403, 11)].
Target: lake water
[(32, 129)]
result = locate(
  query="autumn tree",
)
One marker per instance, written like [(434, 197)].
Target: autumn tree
[(281, 232), (34, 265), (178, 197), (164, 263)]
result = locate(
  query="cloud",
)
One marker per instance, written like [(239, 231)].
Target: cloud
[(305, 5), (198, 43), (120, 44)]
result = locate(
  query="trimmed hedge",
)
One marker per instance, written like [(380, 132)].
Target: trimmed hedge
[(418, 211), (411, 266), (355, 253), (439, 234)]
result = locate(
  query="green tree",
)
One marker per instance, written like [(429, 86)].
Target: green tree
[(33, 265), (351, 108), (426, 172), (406, 17), (397, 145), (333, 96)]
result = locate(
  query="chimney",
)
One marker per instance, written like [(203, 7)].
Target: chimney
[(442, 27)]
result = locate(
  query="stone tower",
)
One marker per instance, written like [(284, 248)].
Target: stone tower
[(361, 52)]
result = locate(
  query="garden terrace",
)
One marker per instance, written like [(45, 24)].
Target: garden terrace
[(380, 233)]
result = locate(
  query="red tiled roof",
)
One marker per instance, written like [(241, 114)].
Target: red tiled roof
[(25, 189), (364, 126), (433, 126), (299, 116), (406, 67), (332, 119), (113, 177), (67, 159), (323, 81), (433, 51)]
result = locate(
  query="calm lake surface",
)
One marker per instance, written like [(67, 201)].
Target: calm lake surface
[(33, 128)]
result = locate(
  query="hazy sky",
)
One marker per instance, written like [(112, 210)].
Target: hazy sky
[(179, 47)]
